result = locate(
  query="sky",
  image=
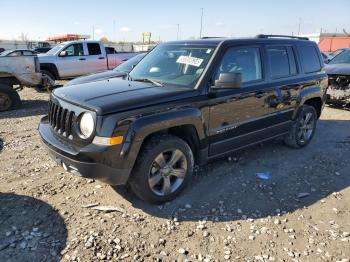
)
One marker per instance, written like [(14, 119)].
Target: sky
[(126, 20)]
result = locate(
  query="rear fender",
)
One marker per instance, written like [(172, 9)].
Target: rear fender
[(310, 92)]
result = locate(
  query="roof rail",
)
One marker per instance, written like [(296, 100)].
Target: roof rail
[(282, 36), (211, 37)]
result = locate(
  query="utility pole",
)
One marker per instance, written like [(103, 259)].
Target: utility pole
[(93, 32), (178, 30), (114, 34), (299, 26), (200, 32)]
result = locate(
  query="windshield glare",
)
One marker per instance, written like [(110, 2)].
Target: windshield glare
[(342, 58), (179, 65), (128, 64)]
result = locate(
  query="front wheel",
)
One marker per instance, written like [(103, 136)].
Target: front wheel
[(9, 98), (48, 81), (303, 129), (162, 169)]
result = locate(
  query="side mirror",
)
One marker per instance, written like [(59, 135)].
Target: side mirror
[(228, 80), (63, 53)]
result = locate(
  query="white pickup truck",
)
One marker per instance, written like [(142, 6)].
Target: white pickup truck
[(71, 59)]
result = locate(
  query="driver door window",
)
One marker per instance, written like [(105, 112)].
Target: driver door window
[(235, 114), (75, 50), (74, 63), (245, 61)]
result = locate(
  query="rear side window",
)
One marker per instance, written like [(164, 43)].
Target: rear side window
[(282, 61), (94, 48), (309, 59)]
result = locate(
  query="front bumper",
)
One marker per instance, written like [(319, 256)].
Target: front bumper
[(92, 161)]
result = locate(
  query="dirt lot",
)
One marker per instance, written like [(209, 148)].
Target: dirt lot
[(301, 214)]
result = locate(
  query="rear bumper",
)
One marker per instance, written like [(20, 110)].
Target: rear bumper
[(83, 162)]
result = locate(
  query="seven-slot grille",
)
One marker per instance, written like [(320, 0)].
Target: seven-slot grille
[(61, 119)]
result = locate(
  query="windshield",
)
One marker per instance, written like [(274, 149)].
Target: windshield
[(127, 65), (342, 58), (179, 65), (55, 49)]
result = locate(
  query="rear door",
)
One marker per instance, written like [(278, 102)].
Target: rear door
[(74, 63), (96, 59), (239, 117), (283, 71)]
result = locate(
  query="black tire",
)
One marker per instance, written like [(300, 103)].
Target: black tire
[(9, 98), (42, 88), (294, 139), (141, 177), (48, 73)]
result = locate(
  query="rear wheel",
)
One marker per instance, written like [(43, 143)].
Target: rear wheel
[(9, 98), (303, 129), (162, 170)]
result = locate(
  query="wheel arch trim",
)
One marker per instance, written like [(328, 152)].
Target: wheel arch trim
[(142, 128)]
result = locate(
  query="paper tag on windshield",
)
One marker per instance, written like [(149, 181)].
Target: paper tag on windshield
[(189, 60)]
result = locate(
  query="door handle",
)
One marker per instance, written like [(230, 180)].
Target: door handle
[(82, 59), (101, 58)]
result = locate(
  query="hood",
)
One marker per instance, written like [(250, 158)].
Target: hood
[(337, 69), (117, 95), (45, 57), (95, 77)]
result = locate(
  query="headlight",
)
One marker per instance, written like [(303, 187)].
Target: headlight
[(87, 125)]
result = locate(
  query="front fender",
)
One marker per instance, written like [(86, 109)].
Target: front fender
[(51, 67), (147, 125)]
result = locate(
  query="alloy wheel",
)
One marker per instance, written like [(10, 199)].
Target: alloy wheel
[(167, 172), (306, 127)]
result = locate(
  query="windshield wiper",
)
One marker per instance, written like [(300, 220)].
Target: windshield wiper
[(148, 80)]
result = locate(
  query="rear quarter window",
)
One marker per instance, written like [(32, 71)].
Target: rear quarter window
[(309, 59)]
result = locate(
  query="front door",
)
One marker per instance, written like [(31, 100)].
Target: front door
[(241, 116), (74, 63)]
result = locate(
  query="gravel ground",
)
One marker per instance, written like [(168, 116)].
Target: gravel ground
[(226, 214)]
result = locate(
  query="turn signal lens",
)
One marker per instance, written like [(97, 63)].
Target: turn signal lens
[(116, 140), (108, 141)]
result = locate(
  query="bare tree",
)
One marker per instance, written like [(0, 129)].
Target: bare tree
[(105, 40), (24, 38)]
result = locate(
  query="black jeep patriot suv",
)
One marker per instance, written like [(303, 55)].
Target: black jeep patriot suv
[(185, 103)]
